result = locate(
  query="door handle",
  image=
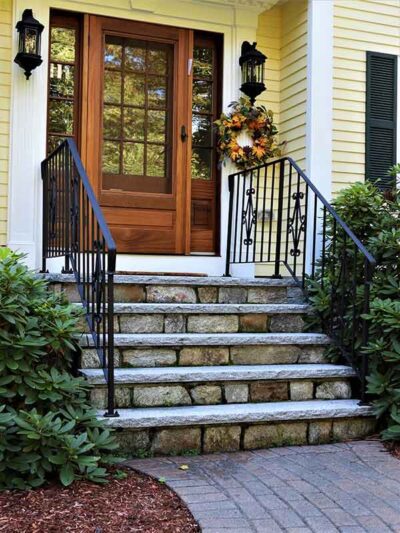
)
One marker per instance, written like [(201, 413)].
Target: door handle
[(184, 135)]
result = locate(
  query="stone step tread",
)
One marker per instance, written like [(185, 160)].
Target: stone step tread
[(217, 308), (214, 281), (220, 373), (151, 417), (212, 339)]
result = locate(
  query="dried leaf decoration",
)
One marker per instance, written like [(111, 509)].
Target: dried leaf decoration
[(258, 123)]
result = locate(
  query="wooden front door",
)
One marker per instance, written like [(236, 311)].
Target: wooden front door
[(146, 86)]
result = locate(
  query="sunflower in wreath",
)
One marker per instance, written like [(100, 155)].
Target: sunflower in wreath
[(258, 123)]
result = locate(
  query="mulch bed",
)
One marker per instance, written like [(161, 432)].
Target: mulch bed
[(136, 503), (393, 447)]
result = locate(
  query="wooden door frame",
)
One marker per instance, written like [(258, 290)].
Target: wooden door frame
[(92, 121), (90, 77)]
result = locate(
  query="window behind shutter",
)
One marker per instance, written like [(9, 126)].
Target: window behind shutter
[(380, 149)]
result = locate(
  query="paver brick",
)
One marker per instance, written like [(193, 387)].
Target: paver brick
[(292, 490)]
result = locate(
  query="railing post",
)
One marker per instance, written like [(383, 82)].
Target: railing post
[(279, 221), (110, 337), (67, 228), (45, 215), (231, 186), (368, 271)]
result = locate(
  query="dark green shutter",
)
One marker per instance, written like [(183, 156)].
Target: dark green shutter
[(380, 149)]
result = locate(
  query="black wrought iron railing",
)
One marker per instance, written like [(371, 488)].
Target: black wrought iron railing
[(74, 228), (278, 218)]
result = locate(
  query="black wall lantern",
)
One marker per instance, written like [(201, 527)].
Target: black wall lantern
[(30, 30), (252, 64)]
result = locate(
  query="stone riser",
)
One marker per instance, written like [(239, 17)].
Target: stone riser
[(127, 293), (213, 393), (209, 355), (213, 323), (233, 437)]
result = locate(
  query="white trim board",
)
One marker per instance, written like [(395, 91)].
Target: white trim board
[(319, 119)]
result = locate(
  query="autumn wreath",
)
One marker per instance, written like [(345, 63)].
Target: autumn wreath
[(258, 123)]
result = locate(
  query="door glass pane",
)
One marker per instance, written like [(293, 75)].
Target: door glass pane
[(155, 160), (137, 78), (134, 89), (61, 116), (158, 61), (134, 123), (135, 58), (202, 62), (202, 130), (111, 157), (204, 113), (112, 122), (113, 55), (202, 96), (202, 163), (63, 82), (62, 45), (157, 91), (112, 87), (133, 159), (156, 126)]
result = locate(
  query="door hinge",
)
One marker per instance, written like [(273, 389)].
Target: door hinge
[(190, 65)]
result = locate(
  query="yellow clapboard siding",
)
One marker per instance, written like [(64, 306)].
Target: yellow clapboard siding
[(287, 25), (359, 26), (345, 27), (6, 31), (388, 7), (354, 121)]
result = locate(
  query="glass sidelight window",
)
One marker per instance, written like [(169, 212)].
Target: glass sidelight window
[(136, 119), (63, 85), (204, 107)]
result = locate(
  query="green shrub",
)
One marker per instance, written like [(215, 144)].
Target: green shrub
[(374, 218), (47, 428)]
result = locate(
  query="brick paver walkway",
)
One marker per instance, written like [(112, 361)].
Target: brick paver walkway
[(351, 488)]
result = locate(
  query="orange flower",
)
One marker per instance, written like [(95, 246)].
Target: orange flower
[(237, 120), (256, 124), (258, 151)]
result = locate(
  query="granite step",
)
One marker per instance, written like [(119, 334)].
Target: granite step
[(209, 318), (215, 339), (200, 281), (141, 387), (218, 428), (190, 290), (210, 349)]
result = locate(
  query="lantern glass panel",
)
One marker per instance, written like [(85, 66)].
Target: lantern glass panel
[(31, 41), (248, 72), (260, 73)]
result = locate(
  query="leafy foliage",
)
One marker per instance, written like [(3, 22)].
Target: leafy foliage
[(47, 427), (374, 218)]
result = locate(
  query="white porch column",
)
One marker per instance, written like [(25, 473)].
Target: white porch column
[(320, 95), (319, 111), (28, 144)]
